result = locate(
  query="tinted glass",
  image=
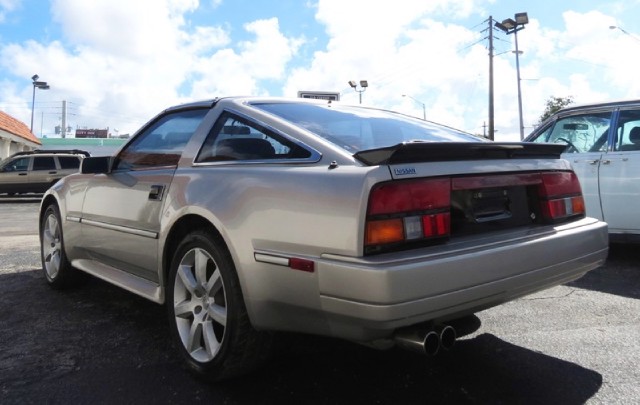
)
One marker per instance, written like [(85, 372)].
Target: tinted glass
[(69, 162), (44, 163), (356, 129), (161, 144), (235, 138)]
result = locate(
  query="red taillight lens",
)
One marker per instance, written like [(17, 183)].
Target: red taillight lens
[(436, 224), (409, 196), (408, 211), (561, 195)]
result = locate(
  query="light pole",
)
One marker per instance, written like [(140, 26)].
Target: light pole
[(363, 86), (424, 107), (510, 26), (41, 86), (615, 27)]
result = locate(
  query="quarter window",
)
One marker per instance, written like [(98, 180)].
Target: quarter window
[(161, 143), (235, 138)]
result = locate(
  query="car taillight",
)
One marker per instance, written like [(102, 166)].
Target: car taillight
[(408, 211), (560, 196), (412, 213)]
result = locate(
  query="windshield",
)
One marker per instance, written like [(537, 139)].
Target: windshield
[(356, 129)]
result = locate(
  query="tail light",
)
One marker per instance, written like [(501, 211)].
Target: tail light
[(403, 214), (560, 196), (408, 211)]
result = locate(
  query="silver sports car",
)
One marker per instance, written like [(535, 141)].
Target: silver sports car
[(248, 216)]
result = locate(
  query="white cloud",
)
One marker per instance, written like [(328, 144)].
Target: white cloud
[(7, 6), (122, 61), (119, 62)]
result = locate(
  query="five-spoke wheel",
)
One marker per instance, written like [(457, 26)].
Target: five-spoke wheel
[(207, 312)]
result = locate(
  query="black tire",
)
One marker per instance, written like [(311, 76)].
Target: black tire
[(57, 269), (207, 314)]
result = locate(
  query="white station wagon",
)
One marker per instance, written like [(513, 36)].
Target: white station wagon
[(249, 216)]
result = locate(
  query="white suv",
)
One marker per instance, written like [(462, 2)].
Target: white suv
[(36, 171)]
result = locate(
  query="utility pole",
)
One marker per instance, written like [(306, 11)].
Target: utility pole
[(491, 128), (63, 130)]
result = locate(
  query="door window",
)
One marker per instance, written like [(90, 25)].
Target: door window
[(44, 163), (628, 132), (581, 133), (161, 143), (17, 165)]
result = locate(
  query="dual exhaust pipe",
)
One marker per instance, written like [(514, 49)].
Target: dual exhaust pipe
[(424, 340)]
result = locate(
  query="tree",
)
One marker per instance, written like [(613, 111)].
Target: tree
[(554, 104)]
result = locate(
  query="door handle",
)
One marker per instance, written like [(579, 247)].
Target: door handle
[(156, 192), (591, 162), (606, 162)]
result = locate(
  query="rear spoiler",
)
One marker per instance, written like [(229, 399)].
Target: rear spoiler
[(415, 152)]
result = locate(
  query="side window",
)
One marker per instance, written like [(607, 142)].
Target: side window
[(44, 163), (235, 138), (17, 165), (69, 162), (161, 143), (628, 133), (581, 133)]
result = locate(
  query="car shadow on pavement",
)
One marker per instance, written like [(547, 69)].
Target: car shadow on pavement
[(621, 275), (100, 344), (484, 369)]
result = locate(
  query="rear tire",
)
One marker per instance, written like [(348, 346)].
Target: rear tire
[(57, 268), (207, 314)]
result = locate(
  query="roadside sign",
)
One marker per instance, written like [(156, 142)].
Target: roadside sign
[(320, 95)]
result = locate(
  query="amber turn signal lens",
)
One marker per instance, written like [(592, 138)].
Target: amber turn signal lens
[(384, 231)]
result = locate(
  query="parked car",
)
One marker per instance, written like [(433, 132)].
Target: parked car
[(35, 171), (248, 216), (603, 146)]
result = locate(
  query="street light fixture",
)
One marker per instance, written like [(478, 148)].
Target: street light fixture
[(615, 27), (424, 107), (41, 86), (363, 86), (512, 26)]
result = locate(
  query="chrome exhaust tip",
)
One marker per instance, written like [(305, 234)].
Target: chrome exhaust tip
[(447, 336), (426, 341), (418, 340)]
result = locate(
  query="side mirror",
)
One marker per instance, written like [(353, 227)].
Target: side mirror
[(96, 165)]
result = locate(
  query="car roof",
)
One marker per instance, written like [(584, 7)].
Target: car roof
[(604, 104)]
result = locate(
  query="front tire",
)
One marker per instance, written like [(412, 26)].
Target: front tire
[(208, 318), (57, 269)]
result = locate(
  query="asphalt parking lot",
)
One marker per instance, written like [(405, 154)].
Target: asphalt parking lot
[(573, 344)]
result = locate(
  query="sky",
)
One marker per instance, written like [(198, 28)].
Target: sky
[(117, 63)]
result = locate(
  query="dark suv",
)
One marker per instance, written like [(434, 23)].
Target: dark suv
[(36, 171)]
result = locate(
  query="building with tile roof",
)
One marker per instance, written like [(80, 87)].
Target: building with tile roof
[(15, 136)]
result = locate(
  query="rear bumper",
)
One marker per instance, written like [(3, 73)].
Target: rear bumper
[(367, 298)]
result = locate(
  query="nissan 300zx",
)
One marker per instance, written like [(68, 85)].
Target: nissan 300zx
[(249, 216)]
